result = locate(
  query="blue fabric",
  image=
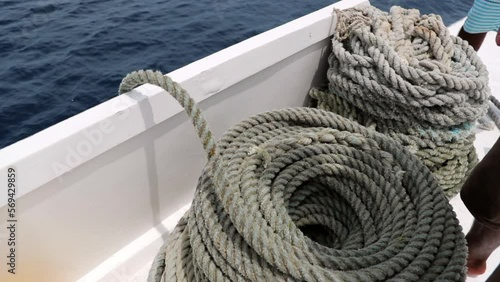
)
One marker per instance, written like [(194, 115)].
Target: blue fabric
[(484, 16)]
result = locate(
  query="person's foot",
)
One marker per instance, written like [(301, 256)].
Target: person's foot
[(482, 241)]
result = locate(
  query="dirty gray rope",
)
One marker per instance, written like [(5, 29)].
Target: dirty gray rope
[(404, 75), (302, 194), (180, 95)]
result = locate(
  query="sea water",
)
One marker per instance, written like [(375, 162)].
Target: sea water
[(61, 57)]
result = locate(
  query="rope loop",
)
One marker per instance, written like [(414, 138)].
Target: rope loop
[(141, 77), (404, 75), (302, 194)]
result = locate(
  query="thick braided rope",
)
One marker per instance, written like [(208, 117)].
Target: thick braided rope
[(449, 154), (404, 75), (137, 78), (303, 194), (493, 111)]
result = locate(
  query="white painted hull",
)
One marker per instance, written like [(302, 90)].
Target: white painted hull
[(99, 192)]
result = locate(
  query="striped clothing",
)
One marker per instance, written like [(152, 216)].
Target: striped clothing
[(484, 16)]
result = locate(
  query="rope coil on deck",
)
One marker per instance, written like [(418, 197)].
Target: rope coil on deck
[(403, 74), (303, 194)]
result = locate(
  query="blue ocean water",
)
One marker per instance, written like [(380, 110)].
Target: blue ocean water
[(61, 57)]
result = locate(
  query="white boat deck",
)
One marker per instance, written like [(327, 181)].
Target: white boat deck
[(127, 271)]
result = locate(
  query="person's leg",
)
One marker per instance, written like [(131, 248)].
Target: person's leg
[(474, 39), (481, 18), (481, 195), (481, 191)]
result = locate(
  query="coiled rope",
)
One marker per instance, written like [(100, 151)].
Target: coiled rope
[(404, 75), (302, 194)]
